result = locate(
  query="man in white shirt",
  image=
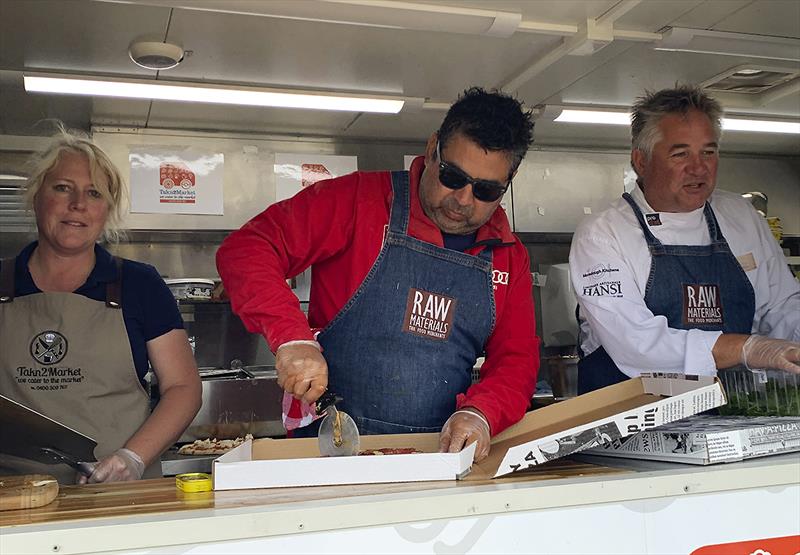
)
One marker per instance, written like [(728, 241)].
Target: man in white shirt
[(677, 276)]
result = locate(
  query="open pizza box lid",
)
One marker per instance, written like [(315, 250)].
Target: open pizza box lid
[(596, 418), (545, 434)]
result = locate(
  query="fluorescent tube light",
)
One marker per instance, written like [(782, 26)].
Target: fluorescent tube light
[(594, 116), (728, 124), (760, 126), (213, 94)]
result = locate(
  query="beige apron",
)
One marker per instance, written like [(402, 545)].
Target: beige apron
[(68, 357)]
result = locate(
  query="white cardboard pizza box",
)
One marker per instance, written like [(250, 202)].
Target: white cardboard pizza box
[(542, 435), (278, 463), (597, 418)]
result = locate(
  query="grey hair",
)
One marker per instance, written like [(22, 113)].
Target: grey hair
[(105, 175), (649, 109)]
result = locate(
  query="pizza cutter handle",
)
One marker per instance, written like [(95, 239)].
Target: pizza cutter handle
[(328, 399)]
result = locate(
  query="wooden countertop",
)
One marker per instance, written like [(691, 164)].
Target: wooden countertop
[(147, 515), (156, 496)]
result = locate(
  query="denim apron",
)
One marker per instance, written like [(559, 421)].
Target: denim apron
[(694, 287), (403, 347)]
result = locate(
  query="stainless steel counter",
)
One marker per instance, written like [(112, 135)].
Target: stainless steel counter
[(172, 463)]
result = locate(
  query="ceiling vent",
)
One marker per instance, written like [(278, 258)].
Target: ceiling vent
[(750, 79), (155, 55)]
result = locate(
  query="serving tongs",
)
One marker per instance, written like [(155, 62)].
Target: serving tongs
[(338, 434)]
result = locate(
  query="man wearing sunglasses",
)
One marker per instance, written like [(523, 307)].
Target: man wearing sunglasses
[(414, 276)]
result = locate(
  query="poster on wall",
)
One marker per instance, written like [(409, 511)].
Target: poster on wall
[(170, 180), (294, 172)]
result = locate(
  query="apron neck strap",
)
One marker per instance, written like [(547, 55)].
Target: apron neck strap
[(648, 235), (114, 288), (7, 267), (711, 221), (401, 202)]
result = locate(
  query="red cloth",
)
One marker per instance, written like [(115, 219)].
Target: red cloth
[(338, 226), (296, 414)]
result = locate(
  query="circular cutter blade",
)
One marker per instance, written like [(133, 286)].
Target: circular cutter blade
[(338, 435)]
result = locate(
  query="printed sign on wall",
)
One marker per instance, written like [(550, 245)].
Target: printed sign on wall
[(294, 172), (176, 180)]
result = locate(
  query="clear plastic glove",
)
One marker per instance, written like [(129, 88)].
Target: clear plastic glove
[(760, 352), (462, 428), (302, 371), (121, 466)]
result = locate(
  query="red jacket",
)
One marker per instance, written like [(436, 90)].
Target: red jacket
[(338, 226)]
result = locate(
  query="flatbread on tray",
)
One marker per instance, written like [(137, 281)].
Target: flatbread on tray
[(212, 446)]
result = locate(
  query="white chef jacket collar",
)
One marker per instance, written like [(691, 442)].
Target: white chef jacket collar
[(680, 218)]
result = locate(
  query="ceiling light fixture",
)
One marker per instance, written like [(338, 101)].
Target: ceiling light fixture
[(594, 116), (213, 94), (155, 55), (607, 117), (760, 126)]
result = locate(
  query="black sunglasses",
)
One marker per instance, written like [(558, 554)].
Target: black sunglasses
[(455, 178)]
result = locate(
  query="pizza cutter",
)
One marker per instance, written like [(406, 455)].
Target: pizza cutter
[(338, 433)]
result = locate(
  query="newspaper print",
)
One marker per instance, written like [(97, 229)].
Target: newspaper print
[(711, 439), (603, 432)]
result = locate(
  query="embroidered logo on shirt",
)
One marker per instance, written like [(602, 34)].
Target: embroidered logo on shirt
[(603, 289), (429, 315), (598, 272), (653, 219), (49, 347), (499, 278), (702, 304)]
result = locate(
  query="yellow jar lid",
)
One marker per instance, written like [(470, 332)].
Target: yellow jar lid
[(193, 482)]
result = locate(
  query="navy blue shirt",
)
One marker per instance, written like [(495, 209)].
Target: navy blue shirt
[(459, 242), (148, 307)]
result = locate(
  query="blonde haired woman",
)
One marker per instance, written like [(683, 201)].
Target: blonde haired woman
[(67, 303)]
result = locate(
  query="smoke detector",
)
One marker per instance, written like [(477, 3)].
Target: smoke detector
[(155, 55)]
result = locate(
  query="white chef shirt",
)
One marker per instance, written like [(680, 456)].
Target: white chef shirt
[(609, 256)]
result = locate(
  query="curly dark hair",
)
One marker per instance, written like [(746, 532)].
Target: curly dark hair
[(493, 120)]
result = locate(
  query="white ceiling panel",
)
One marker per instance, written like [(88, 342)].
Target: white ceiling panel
[(556, 83), (779, 18), (645, 68), (75, 35), (281, 52), (564, 12), (709, 13), (431, 58), (652, 15), (413, 126)]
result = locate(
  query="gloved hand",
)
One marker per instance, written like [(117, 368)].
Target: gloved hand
[(121, 466), (462, 428), (760, 352), (302, 371)]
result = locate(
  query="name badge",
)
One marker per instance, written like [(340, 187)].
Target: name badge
[(747, 262), (702, 305), (429, 315)]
